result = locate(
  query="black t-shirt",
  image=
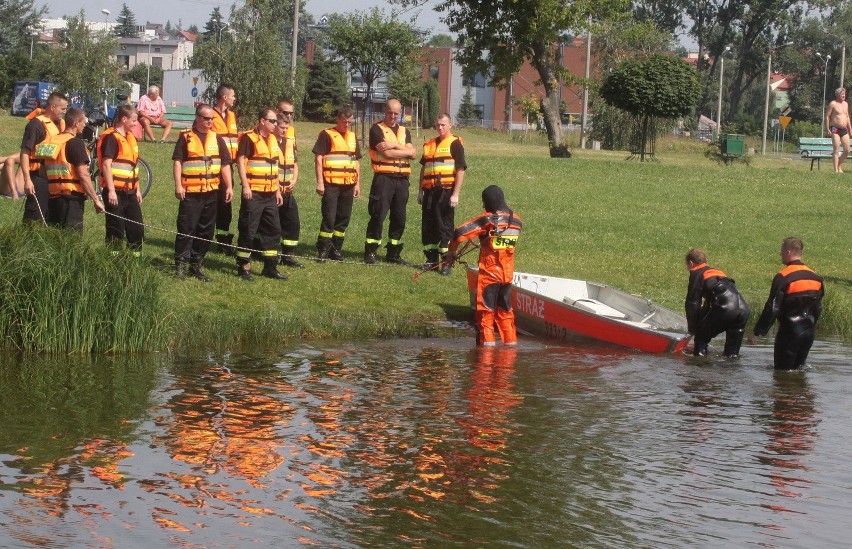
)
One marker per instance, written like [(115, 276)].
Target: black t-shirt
[(76, 153), (180, 148), (109, 147), (34, 134), (377, 135)]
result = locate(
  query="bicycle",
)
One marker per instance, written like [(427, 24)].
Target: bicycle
[(97, 117)]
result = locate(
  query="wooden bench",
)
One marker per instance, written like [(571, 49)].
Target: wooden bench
[(181, 117), (815, 149)]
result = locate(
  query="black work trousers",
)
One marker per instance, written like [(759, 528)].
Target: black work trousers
[(224, 211), (129, 220), (36, 207), (67, 211), (288, 217), (258, 218), (438, 220), (336, 210), (196, 223), (388, 194)]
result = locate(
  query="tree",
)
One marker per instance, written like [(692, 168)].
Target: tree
[(441, 41), (371, 45), (431, 103), (84, 63), (126, 23), (660, 86), (468, 114), (139, 75), (498, 37), (19, 23), (328, 90)]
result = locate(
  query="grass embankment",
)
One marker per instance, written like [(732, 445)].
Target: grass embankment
[(594, 216)]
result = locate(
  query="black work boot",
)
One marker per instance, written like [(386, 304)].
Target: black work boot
[(270, 271), (394, 255), (446, 265), (370, 253), (336, 248), (700, 348), (244, 271), (323, 249), (431, 260), (180, 269), (195, 271), (287, 258)]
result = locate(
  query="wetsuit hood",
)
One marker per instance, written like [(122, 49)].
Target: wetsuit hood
[(493, 199)]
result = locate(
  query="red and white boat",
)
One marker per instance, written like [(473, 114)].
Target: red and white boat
[(567, 309)]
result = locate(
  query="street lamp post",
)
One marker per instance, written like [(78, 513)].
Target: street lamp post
[(148, 78), (768, 91), (106, 13), (721, 77), (825, 60), (222, 27)]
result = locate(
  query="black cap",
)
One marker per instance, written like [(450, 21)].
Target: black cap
[(493, 199)]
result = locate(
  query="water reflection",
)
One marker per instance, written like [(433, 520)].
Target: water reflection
[(792, 431)]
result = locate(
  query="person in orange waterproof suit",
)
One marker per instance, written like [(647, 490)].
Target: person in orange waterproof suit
[(497, 229)]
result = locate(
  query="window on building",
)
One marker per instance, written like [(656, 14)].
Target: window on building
[(475, 81), (480, 111), (433, 72), (157, 62), (123, 61)]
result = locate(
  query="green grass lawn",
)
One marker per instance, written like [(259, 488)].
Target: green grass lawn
[(595, 216)]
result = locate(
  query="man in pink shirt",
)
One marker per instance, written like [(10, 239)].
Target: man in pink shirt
[(152, 111)]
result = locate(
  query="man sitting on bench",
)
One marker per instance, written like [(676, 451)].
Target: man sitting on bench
[(152, 111)]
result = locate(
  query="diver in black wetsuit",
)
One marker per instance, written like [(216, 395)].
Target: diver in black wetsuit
[(713, 305), (795, 299)]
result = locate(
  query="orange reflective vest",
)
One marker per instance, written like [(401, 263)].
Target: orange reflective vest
[(227, 128), (339, 165), (51, 130), (287, 160), (262, 165), (125, 173), (201, 169), (381, 163), (62, 179), (439, 166)]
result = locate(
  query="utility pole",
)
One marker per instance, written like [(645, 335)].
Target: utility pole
[(295, 45), (585, 112)]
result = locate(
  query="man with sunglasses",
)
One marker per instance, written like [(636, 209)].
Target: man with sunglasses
[(338, 172), (288, 170), (390, 153), (258, 155), (201, 164)]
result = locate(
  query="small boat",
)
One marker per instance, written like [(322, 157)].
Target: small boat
[(566, 309)]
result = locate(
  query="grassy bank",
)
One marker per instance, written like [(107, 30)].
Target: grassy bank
[(594, 216)]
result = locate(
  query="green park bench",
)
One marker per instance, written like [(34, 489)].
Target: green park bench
[(815, 149), (181, 117)]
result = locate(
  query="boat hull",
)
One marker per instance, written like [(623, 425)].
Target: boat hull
[(546, 316)]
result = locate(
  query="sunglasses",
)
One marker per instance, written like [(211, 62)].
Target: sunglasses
[(272, 120), (206, 118)]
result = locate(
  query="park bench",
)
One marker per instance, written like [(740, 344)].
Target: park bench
[(181, 117), (815, 149)]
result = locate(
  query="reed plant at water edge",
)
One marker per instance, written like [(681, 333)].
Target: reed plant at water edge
[(61, 294)]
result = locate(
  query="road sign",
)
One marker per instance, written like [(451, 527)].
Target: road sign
[(195, 94), (784, 120), (786, 110)]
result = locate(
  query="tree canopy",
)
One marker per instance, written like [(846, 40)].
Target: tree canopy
[(126, 23)]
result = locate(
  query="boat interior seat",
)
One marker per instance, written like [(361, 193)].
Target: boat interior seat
[(595, 306)]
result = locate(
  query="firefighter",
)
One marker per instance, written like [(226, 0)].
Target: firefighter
[(338, 171), (225, 125), (201, 164), (258, 156), (713, 305), (43, 124), (795, 299), (497, 229), (288, 172)]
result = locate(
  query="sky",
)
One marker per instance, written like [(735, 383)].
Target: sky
[(197, 12)]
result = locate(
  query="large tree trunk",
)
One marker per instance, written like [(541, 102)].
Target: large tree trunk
[(550, 102)]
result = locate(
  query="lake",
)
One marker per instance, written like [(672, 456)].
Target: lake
[(426, 443)]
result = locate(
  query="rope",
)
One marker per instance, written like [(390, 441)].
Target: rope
[(235, 247)]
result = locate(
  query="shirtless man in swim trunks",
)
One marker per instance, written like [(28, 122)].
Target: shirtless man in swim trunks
[(837, 122)]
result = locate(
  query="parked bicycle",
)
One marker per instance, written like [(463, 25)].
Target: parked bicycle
[(97, 117)]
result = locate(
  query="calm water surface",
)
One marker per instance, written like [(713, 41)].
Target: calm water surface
[(426, 443)]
